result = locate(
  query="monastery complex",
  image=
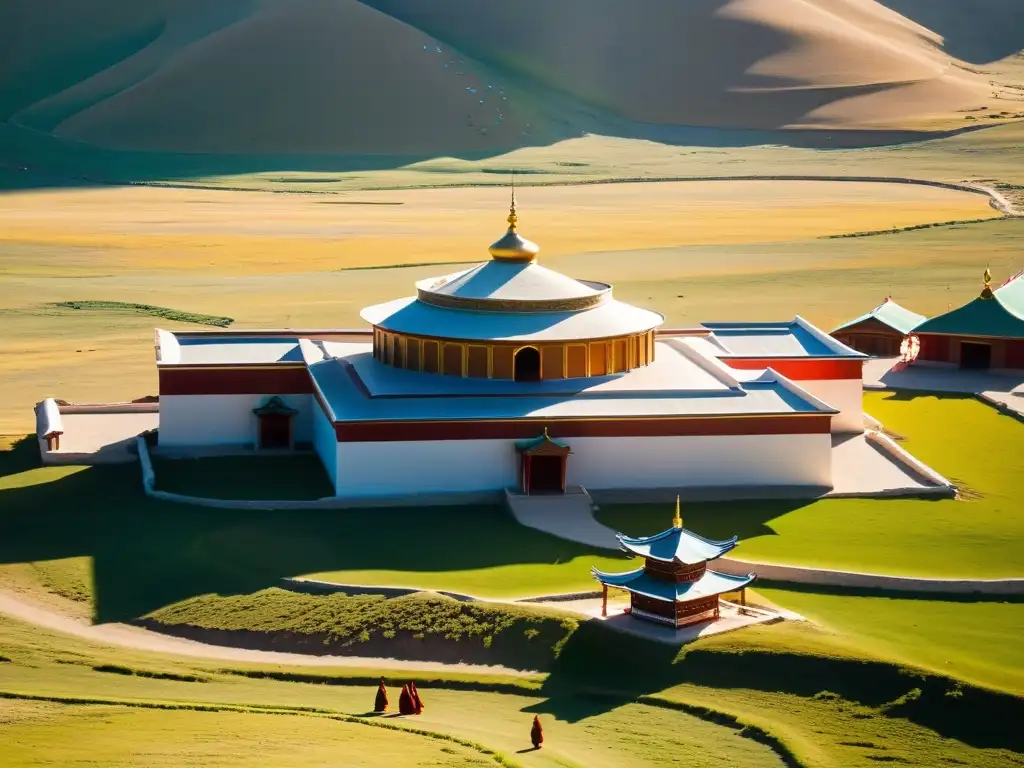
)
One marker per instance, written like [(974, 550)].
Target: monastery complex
[(511, 375)]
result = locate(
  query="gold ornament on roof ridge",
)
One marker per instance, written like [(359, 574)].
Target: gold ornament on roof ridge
[(677, 520), (986, 292)]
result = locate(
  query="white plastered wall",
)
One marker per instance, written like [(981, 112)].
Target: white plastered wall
[(679, 462), (325, 441), (426, 466), (846, 396), (203, 420), (395, 468)]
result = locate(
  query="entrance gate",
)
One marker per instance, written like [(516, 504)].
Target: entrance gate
[(543, 464)]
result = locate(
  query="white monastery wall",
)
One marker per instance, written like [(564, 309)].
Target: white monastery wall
[(427, 466), (394, 468), (325, 441), (672, 462), (846, 396), (200, 420)]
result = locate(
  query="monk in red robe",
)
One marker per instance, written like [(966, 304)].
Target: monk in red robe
[(536, 733), (405, 702), (380, 704), (416, 700)]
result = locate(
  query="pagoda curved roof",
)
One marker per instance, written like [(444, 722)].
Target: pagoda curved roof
[(608, 318), (891, 314), (711, 583), (503, 281), (1000, 315), (677, 545)]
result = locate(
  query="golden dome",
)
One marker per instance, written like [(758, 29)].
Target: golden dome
[(511, 246)]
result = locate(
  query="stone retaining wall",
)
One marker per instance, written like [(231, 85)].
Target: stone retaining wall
[(328, 502)]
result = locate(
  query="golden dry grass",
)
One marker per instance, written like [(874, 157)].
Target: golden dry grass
[(145, 229), (695, 251)]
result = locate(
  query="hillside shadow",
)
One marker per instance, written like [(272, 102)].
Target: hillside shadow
[(995, 30), (147, 553), (599, 670)]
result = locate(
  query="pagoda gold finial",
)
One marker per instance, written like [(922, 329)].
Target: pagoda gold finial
[(513, 247), (677, 520), (986, 292), (512, 218)]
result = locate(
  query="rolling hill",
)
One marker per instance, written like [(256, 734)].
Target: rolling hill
[(454, 76)]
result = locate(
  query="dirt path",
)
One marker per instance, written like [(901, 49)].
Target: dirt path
[(126, 636)]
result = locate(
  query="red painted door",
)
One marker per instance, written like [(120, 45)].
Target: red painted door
[(275, 431), (546, 474)]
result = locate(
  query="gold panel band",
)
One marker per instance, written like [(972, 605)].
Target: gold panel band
[(514, 360)]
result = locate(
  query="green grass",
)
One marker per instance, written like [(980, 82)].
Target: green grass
[(123, 307), (120, 736), (613, 700), (978, 536), (580, 730), (976, 641), (414, 626), (274, 478), (78, 530)]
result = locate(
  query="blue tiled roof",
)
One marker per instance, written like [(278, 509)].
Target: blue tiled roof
[(677, 545), (710, 584), (788, 339)]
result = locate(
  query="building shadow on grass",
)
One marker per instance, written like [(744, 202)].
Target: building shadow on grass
[(148, 553)]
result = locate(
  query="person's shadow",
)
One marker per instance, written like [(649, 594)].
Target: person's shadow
[(524, 751)]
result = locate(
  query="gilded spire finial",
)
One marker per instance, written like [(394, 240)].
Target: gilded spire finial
[(986, 292), (677, 520), (511, 246), (512, 218)]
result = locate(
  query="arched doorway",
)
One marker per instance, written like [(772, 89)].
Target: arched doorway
[(526, 365)]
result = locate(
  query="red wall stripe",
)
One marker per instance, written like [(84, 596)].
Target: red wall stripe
[(235, 381), (801, 369), (389, 431)]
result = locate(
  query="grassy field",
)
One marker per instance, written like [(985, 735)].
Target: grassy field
[(649, 708), (121, 736), (79, 529), (976, 536), (967, 639)]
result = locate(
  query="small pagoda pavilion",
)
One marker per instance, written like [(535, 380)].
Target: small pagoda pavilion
[(675, 586)]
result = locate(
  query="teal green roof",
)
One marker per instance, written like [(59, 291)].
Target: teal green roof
[(1001, 315), (676, 545), (891, 314), (525, 446), (709, 584)]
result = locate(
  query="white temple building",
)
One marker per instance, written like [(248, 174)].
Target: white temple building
[(511, 375)]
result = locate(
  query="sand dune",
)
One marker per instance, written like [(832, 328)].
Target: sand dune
[(745, 63), (387, 76)]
